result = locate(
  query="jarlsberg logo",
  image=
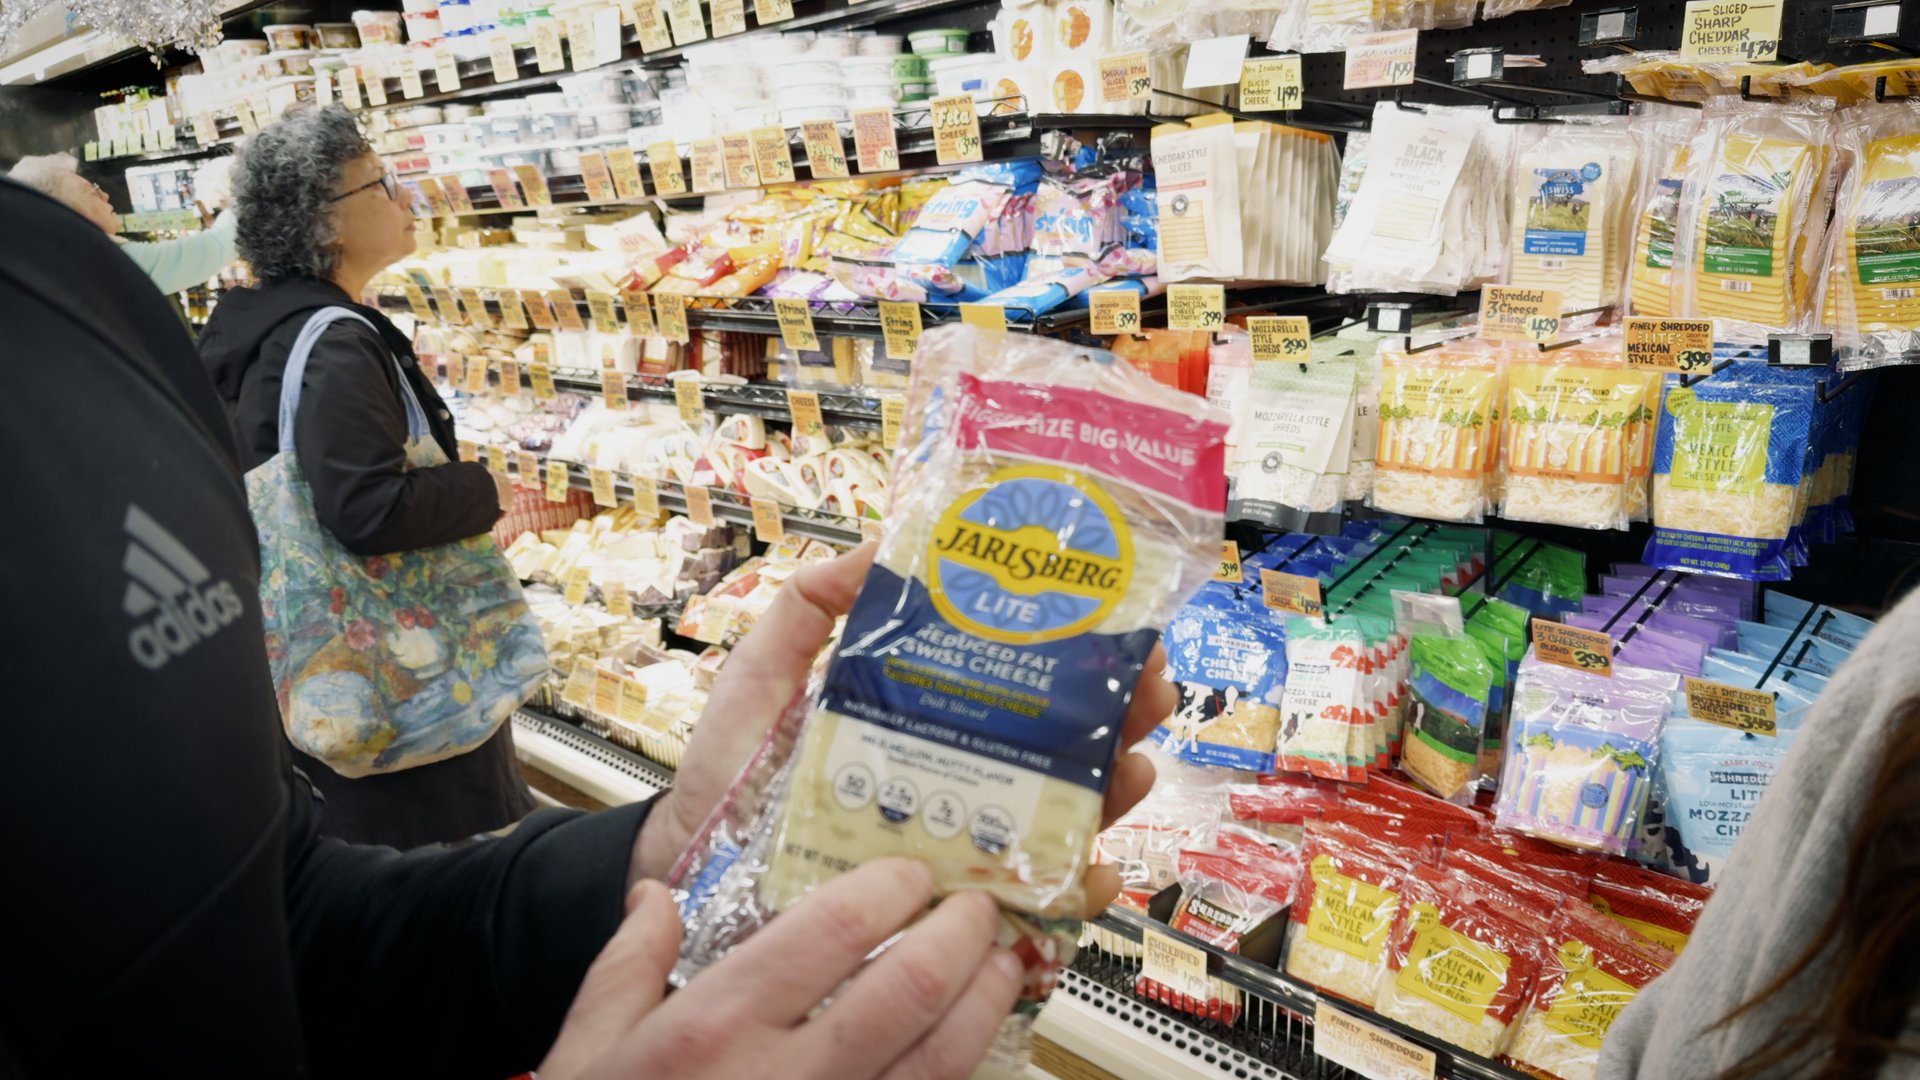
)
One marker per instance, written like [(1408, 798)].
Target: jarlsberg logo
[(167, 591), (1036, 553)]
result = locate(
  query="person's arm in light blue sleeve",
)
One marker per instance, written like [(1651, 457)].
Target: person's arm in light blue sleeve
[(174, 265)]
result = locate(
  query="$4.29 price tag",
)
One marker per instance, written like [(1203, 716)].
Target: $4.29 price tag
[(1293, 593), (1511, 313), (1734, 707), (796, 323), (1196, 307), (1679, 345), (1229, 570), (1114, 311), (1382, 59), (1125, 77), (1280, 337), (1571, 647), (1270, 83), (956, 129)]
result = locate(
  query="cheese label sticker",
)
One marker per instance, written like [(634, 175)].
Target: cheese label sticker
[(600, 305), (528, 467), (597, 176), (1174, 964), (620, 604), (602, 482), (900, 324), (1114, 311), (449, 308), (686, 395), (1295, 594), (446, 69), (804, 405), (1739, 708), (566, 313), (1280, 337), (626, 172), (646, 495), (1368, 1049), (1719, 446), (956, 129), (873, 140), (736, 154), (989, 317), (796, 323), (557, 481), (500, 54), (417, 300), (475, 307), (893, 413), (1509, 313), (457, 198), (1571, 647), (709, 165), (684, 17), (1730, 30), (1348, 914), (1125, 77), (826, 154), (1270, 83), (639, 313), (670, 316), (663, 164), (497, 459), (1683, 346), (539, 312), (699, 505), (772, 11), (541, 377), (729, 17), (1229, 570), (1196, 307), (767, 525), (771, 154), (1384, 58), (533, 185)]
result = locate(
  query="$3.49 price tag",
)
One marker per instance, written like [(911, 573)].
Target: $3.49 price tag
[(1280, 337), (956, 129), (1270, 83), (1511, 313), (1678, 345), (1295, 594), (1229, 570), (1114, 311), (1196, 307), (1571, 647)]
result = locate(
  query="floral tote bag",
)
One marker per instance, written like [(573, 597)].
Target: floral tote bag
[(383, 662)]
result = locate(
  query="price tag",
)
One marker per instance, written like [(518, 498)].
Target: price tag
[(699, 505), (1510, 313), (580, 42), (1368, 1050), (512, 315), (597, 177), (989, 317), (826, 154), (639, 315), (528, 467), (322, 90), (541, 376), (1296, 594), (410, 84), (600, 305), (647, 24), (446, 69), (436, 196), (500, 53), (497, 459), (566, 313), (205, 131), (534, 185), (620, 605), (1125, 77), (449, 309), (663, 164), (1229, 570), (556, 481), (1174, 964), (670, 316), (772, 11), (539, 312), (504, 189), (602, 481), (1270, 83), (613, 389), (893, 414), (348, 81), (469, 451), (1196, 307), (243, 112), (1681, 345), (1280, 337), (1381, 59), (1114, 311), (684, 16), (1572, 647), (729, 17), (376, 80), (646, 496), (1734, 707), (510, 376), (736, 151), (546, 46), (687, 398), (1716, 30), (772, 155), (417, 300), (476, 307), (767, 525), (606, 693), (709, 166), (453, 372), (457, 199), (956, 129), (900, 323), (578, 691), (796, 323), (873, 140), (805, 407), (576, 586)]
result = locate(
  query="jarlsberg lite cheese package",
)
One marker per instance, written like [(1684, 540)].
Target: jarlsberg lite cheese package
[(1057, 509)]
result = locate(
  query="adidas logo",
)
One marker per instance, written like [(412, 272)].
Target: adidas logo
[(168, 591)]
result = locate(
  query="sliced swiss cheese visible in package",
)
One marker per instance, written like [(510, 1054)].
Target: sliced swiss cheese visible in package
[(1567, 233)]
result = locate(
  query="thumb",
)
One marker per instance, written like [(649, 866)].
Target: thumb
[(625, 983)]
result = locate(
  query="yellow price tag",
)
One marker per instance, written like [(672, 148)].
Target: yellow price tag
[(1125, 77), (539, 312), (767, 524), (687, 398), (457, 198), (1512, 313), (602, 481), (1571, 647), (576, 582), (546, 46), (606, 693), (729, 17), (620, 605), (446, 69), (509, 376), (346, 80), (663, 164), (578, 691), (1296, 594), (1280, 337), (626, 174), (1739, 708), (772, 11), (566, 313), (449, 308), (956, 129), (736, 153), (1196, 307), (639, 314), (1229, 570), (410, 84), (873, 140), (505, 191), (893, 414), (1271, 83), (417, 300), (475, 307), (1385, 58), (772, 155), (597, 177), (497, 459), (699, 505), (1679, 345), (900, 324), (601, 306), (1174, 963), (528, 466), (804, 406), (613, 389), (826, 154), (533, 185), (645, 17), (541, 376), (500, 54), (796, 323), (709, 166), (512, 315), (1114, 311), (556, 481), (670, 316), (989, 317), (243, 111), (646, 496), (435, 195), (1716, 30), (684, 17), (376, 79)]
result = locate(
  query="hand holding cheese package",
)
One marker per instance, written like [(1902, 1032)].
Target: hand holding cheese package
[(1053, 517), (1875, 286)]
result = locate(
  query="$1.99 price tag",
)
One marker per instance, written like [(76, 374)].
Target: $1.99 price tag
[(1196, 307), (1382, 59), (1679, 345), (1571, 647), (1270, 83), (1280, 337), (1114, 311), (1511, 313), (1296, 594)]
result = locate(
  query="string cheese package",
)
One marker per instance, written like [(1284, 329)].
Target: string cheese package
[(1568, 444), (1876, 299), (968, 717), (1571, 190), (1438, 438)]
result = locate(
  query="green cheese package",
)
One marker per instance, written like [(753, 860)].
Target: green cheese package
[(1055, 510)]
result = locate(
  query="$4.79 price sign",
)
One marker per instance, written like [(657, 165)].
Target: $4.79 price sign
[(1196, 307), (1571, 647), (956, 129), (1511, 313)]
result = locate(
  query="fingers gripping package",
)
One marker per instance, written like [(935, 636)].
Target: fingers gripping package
[(1056, 511)]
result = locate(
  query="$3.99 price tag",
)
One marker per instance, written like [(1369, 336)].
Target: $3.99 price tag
[(1229, 571), (1125, 77), (1750, 711), (900, 324), (1196, 307), (1571, 647), (1280, 337), (956, 129), (1114, 311), (796, 323), (1511, 313), (1678, 345)]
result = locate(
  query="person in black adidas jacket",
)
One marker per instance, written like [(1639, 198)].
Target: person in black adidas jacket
[(170, 908)]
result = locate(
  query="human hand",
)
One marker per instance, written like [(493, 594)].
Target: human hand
[(770, 666), (502, 491), (926, 1008)]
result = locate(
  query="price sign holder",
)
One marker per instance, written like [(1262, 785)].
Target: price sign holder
[(1114, 311), (1873, 20), (1571, 647), (639, 313), (826, 154), (873, 140), (670, 316), (1196, 307), (699, 505), (796, 323), (1125, 77), (626, 172), (1271, 83), (1800, 350), (602, 482), (1609, 26), (1512, 313), (566, 313), (804, 405), (772, 155), (900, 324), (692, 406), (1479, 65), (1385, 58), (1684, 346), (557, 481), (1719, 31), (1389, 318), (1280, 337), (956, 129), (646, 495), (600, 305), (767, 525), (1295, 594)]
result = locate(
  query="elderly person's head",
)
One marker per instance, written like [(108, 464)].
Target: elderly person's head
[(314, 201), (58, 175)]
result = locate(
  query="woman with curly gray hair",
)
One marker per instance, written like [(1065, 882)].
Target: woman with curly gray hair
[(318, 216)]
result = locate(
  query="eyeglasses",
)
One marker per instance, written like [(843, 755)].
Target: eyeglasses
[(386, 181)]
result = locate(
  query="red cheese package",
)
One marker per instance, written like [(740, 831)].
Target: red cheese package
[(1456, 969), (1657, 907), (1280, 804), (1224, 894), (1344, 910), (1183, 810), (1514, 882), (1403, 800), (1395, 838), (1593, 969)]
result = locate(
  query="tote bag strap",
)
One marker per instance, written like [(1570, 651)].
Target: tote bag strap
[(297, 370)]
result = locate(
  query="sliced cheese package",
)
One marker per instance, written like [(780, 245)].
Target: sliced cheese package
[(1198, 192), (1062, 508), (1665, 142), (1875, 289), (1571, 191)]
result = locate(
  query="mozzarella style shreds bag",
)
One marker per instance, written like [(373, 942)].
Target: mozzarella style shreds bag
[(969, 715)]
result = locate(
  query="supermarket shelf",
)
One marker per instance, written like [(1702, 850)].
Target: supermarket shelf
[(1122, 1034), (765, 400), (578, 757)]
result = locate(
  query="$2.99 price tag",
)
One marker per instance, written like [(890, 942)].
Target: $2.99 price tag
[(1196, 307), (1270, 83), (1571, 647), (1280, 337), (1679, 345), (956, 129), (1114, 311), (1382, 59), (1511, 313)]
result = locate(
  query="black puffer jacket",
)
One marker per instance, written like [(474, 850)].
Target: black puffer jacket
[(351, 429)]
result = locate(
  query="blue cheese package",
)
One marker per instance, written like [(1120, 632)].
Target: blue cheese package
[(1712, 778), (1230, 666)]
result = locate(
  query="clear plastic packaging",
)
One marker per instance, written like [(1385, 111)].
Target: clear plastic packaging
[(1876, 281), (1573, 187), (1438, 439), (1348, 902), (1455, 969), (1576, 421), (1294, 453), (1593, 971), (1664, 135), (1449, 682)]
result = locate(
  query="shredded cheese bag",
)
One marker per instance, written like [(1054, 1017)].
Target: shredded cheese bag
[(1569, 440), (1230, 666), (1590, 975), (1877, 316), (1343, 914), (1437, 437), (1455, 969)]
